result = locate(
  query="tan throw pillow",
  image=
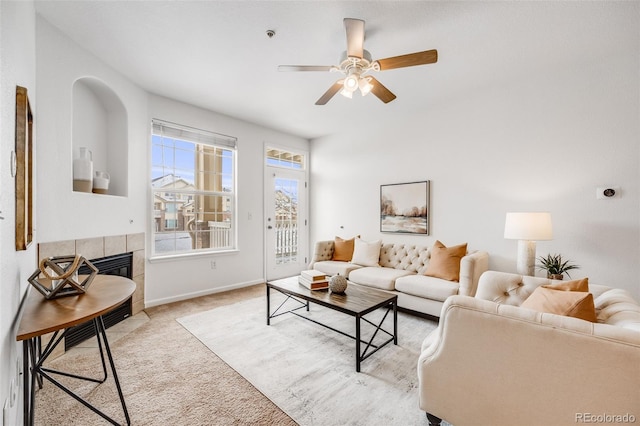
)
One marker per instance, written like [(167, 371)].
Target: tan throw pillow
[(366, 253), (445, 261), (571, 299), (343, 249), (575, 285)]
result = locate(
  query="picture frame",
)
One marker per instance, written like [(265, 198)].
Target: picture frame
[(404, 208), (24, 170)]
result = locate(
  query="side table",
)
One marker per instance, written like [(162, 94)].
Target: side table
[(41, 316)]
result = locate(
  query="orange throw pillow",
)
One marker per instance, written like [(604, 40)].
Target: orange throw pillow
[(343, 249), (445, 261), (571, 299)]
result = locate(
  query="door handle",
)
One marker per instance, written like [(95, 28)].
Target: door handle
[(269, 227)]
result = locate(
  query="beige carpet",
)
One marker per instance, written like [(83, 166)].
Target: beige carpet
[(309, 371), (167, 375)]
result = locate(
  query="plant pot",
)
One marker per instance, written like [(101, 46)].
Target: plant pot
[(555, 276)]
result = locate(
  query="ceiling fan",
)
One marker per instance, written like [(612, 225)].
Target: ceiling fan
[(356, 64)]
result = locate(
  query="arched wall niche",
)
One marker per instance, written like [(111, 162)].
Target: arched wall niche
[(100, 123)]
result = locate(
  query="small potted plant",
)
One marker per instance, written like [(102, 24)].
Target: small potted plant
[(556, 266)]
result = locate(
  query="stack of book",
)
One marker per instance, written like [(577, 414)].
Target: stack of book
[(314, 280)]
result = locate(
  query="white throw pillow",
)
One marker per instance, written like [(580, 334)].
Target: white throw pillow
[(366, 253)]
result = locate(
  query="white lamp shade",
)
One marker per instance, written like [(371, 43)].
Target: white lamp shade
[(532, 226)]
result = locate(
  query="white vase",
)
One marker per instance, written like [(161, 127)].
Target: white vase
[(83, 171), (101, 182)]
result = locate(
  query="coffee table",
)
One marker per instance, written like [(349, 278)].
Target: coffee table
[(357, 302)]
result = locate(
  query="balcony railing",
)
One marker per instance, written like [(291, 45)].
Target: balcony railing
[(286, 241), (220, 234)]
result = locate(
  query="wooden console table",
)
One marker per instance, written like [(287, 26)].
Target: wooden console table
[(41, 316)]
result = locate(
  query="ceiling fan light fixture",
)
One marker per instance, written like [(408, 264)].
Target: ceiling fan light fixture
[(356, 62), (365, 85), (346, 93), (351, 82)]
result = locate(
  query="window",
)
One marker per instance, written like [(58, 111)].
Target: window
[(194, 191), (288, 160)]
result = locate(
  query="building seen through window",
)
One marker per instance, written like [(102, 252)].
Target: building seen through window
[(193, 185)]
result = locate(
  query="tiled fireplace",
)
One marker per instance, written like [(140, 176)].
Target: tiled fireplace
[(109, 247)]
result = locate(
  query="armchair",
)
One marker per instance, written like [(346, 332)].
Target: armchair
[(490, 362)]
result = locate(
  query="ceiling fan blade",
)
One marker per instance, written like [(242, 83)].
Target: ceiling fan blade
[(305, 67), (380, 91), (409, 60), (355, 37), (330, 93)]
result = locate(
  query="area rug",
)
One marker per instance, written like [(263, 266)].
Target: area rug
[(309, 372)]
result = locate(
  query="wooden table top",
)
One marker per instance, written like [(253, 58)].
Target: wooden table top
[(357, 300), (41, 316)]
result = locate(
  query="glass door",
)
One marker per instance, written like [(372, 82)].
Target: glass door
[(286, 222)]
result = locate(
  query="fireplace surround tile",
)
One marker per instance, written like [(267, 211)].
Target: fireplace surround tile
[(138, 263), (56, 248), (90, 248), (115, 245), (93, 248), (135, 242)]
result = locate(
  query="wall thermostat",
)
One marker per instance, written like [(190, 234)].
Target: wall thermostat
[(606, 192)]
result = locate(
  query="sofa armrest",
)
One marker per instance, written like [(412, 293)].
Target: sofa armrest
[(323, 250), (490, 363), (472, 266)]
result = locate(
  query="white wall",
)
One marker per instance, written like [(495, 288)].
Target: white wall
[(177, 279), (542, 141), (62, 213), (17, 67)]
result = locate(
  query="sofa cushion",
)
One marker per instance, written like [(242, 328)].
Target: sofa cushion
[(366, 253), (427, 287), (333, 267), (568, 299), (445, 261), (372, 276), (343, 249)]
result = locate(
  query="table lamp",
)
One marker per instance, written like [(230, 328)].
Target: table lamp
[(527, 228)]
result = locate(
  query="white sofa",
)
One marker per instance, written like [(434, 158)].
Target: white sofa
[(490, 362), (400, 270)]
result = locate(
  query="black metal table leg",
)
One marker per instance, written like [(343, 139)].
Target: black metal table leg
[(34, 372), (103, 330), (395, 322), (268, 306), (27, 391), (358, 357)]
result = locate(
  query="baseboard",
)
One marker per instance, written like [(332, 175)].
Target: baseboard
[(181, 297)]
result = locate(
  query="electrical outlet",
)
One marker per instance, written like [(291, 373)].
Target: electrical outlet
[(213, 264)]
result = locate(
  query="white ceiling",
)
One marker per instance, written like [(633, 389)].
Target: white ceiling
[(216, 54)]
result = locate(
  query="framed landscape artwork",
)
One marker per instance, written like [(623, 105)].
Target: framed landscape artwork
[(404, 208)]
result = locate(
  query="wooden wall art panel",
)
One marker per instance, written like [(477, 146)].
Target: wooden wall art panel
[(24, 170)]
